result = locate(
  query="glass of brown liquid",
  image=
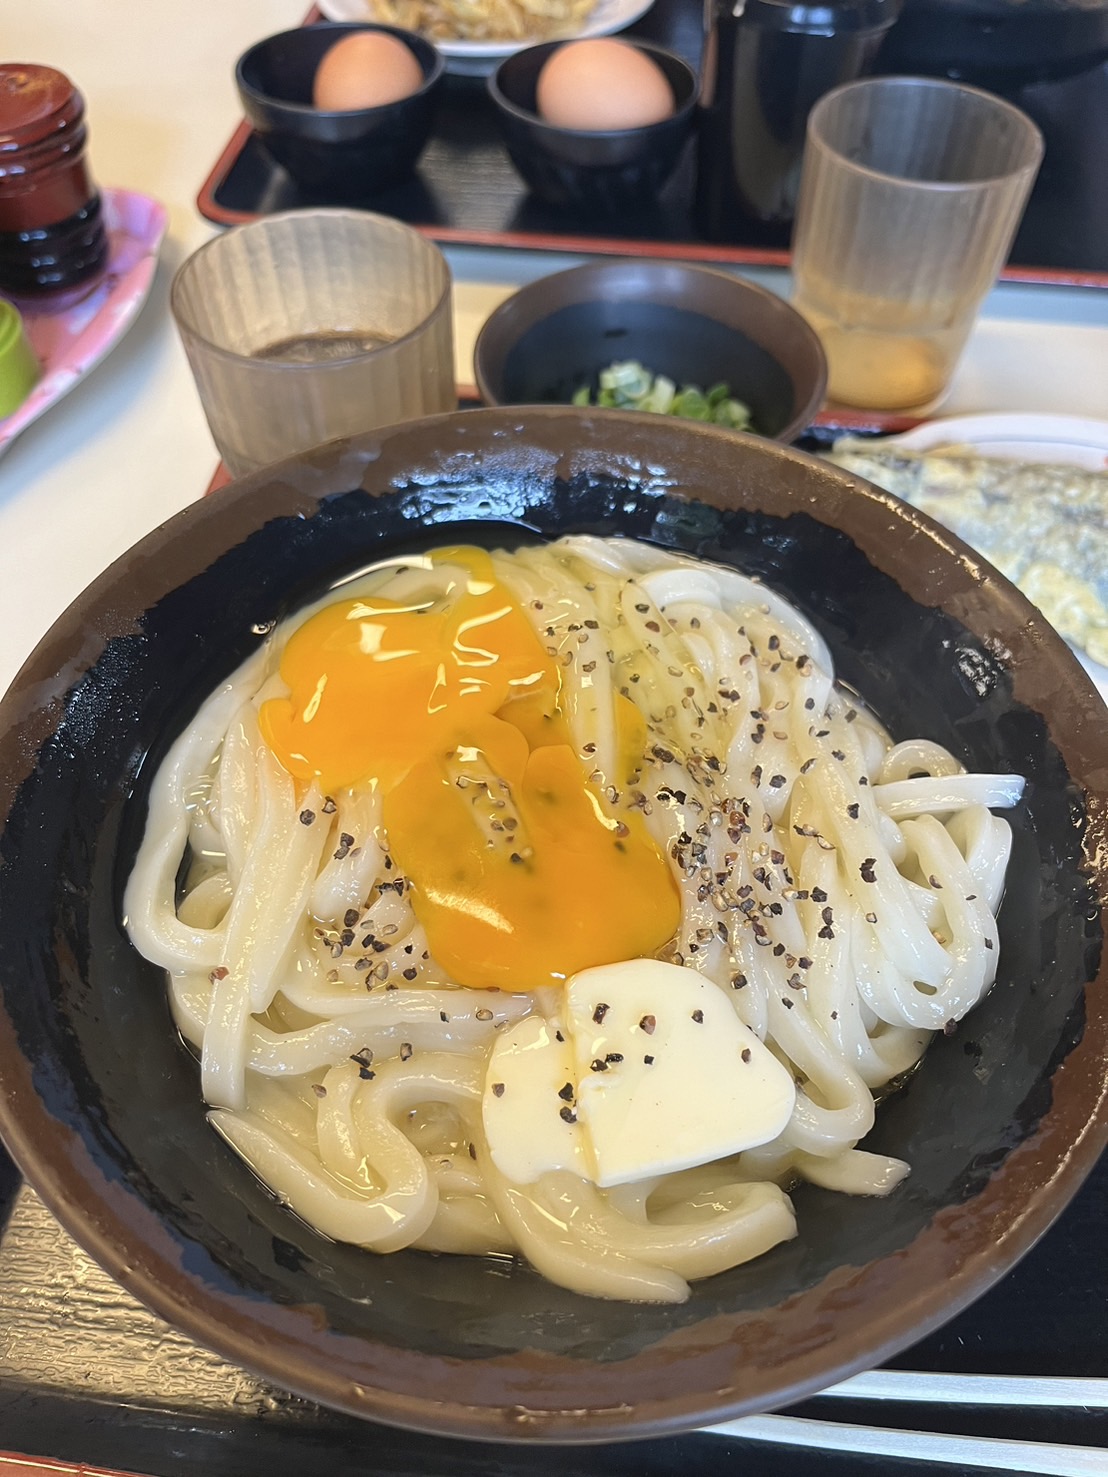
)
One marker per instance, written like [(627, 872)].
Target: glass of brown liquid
[(910, 195), (304, 327)]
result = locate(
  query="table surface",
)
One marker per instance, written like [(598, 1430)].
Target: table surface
[(129, 446)]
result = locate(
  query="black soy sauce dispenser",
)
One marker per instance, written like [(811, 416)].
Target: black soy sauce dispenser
[(765, 63)]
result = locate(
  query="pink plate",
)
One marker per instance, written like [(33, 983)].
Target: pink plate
[(74, 335)]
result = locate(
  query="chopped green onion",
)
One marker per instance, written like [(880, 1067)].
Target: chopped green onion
[(626, 385)]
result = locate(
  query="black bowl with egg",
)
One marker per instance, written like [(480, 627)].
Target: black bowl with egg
[(695, 325), (100, 1100), (602, 173), (335, 154)]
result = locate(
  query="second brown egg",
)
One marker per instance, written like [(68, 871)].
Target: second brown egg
[(600, 85)]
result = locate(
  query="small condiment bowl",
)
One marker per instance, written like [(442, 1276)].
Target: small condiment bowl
[(350, 155), (603, 173), (694, 325)]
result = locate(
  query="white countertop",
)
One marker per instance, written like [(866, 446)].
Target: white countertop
[(129, 446)]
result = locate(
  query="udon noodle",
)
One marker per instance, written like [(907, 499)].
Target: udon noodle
[(833, 892)]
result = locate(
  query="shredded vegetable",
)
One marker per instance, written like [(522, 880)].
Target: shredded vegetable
[(484, 20), (628, 386)]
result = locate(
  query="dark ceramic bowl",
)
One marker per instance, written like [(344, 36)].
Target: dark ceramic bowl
[(337, 155), (606, 173), (99, 1099), (697, 326)]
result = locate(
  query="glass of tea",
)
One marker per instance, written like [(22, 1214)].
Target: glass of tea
[(314, 324), (910, 195)]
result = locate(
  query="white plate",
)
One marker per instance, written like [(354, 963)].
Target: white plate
[(1065, 440), (70, 337), (477, 58)]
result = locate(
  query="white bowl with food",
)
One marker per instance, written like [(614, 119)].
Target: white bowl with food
[(475, 37)]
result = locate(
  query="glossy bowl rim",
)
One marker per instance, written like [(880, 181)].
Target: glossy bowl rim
[(1055, 1157)]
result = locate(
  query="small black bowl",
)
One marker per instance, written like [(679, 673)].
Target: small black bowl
[(340, 155), (694, 325), (605, 173)]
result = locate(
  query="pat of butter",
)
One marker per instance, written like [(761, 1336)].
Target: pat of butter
[(667, 1075), (529, 1105)]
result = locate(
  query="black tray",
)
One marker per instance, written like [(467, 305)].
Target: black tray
[(466, 190)]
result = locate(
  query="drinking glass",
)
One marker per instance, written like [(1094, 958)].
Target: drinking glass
[(910, 195), (314, 324)]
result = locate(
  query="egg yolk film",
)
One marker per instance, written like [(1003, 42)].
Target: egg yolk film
[(522, 872)]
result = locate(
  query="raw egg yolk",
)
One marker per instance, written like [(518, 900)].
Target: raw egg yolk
[(522, 871)]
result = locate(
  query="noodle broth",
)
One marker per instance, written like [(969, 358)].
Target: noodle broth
[(378, 902)]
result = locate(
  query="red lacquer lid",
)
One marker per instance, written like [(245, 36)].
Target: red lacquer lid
[(33, 102), (43, 175)]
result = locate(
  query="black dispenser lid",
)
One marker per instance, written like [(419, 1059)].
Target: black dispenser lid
[(983, 41), (831, 18)]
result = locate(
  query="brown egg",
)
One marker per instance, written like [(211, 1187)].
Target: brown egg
[(599, 85), (366, 69)]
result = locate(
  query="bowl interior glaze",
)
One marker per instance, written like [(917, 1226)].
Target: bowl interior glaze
[(99, 1099)]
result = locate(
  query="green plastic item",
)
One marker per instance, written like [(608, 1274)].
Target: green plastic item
[(19, 369)]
